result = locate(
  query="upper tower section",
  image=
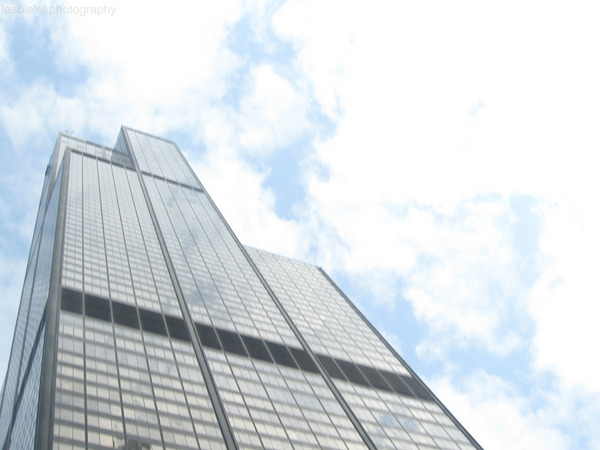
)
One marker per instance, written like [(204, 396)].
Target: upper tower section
[(157, 157)]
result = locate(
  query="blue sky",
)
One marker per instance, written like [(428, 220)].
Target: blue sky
[(439, 161)]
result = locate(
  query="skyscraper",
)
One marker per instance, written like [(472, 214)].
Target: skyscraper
[(144, 323)]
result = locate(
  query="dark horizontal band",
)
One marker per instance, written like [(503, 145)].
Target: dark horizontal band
[(239, 344)]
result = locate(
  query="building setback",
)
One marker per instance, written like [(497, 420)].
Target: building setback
[(144, 323)]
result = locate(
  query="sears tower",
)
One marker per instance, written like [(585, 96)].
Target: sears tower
[(145, 324)]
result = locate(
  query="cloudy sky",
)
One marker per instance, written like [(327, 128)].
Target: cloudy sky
[(436, 158)]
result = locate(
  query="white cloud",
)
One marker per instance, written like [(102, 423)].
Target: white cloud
[(407, 155), (249, 215), (499, 417), (4, 43), (157, 52), (322, 34), (410, 77), (39, 113), (419, 188), (147, 67), (565, 300), (272, 111), (459, 271), (469, 286)]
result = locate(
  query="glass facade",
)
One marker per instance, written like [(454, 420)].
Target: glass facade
[(145, 324)]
